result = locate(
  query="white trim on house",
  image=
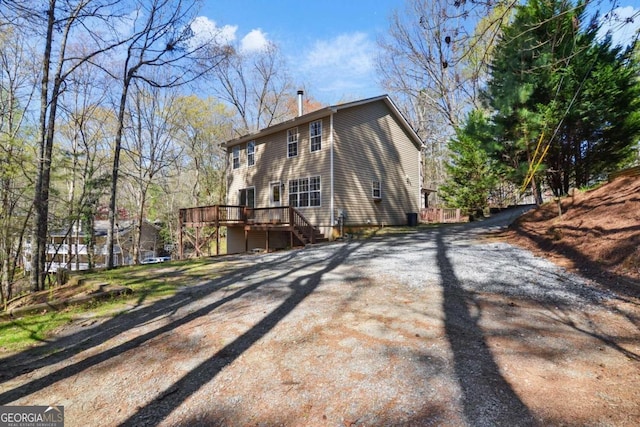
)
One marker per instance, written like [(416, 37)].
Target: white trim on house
[(308, 191), (234, 151), (331, 205), (376, 186), (251, 154), (312, 136), (420, 177), (272, 203), (297, 142)]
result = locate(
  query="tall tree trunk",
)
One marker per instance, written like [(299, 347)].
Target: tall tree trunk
[(91, 244), (115, 170), (40, 201), (535, 189), (138, 235)]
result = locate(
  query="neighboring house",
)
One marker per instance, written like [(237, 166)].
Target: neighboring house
[(69, 249), (346, 166)]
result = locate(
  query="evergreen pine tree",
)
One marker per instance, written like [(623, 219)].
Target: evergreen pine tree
[(470, 177)]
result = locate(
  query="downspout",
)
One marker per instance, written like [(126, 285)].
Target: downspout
[(331, 207), (421, 177)]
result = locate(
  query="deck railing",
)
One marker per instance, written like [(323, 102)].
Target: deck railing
[(213, 214), (302, 224), (225, 214), (440, 215), (274, 215)]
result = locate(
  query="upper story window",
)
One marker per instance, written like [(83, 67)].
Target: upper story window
[(292, 142), (236, 157), (315, 135), (376, 189), (304, 192), (251, 153)]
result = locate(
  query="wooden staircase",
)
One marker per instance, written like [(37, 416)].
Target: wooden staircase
[(303, 230), (306, 236)]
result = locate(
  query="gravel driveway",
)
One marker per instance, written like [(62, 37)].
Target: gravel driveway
[(439, 326)]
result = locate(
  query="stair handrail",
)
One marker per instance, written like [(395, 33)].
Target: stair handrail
[(299, 221)]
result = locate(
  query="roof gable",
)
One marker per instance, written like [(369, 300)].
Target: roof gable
[(323, 112)]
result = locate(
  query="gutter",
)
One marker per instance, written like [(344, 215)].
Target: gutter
[(332, 217)]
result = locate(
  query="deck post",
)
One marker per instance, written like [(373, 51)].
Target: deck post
[(267, 248), (217, 220), (181, 214), (246, 239), (197, 245)]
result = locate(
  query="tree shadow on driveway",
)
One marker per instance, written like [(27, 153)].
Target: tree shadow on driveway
[(74, 344), (487, 397), (300, 287)]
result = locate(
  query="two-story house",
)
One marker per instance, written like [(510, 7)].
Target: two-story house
[(345, 166)]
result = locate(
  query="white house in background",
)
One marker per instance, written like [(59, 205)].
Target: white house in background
[(69, 249)]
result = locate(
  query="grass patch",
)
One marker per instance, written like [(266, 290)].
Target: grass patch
[(149, 282), (159, 280), (31, 330), (593, 186)]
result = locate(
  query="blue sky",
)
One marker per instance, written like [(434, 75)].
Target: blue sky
[(330, 45)]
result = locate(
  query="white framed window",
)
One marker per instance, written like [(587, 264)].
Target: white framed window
[(292, 142), (314, 191), (315, 135), (251, 153), (305, 192), (376, 190), (236, 157)]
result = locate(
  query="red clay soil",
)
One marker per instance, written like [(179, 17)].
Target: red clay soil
[(597, 233)]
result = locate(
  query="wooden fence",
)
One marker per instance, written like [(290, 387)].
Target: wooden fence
[(440, 215)]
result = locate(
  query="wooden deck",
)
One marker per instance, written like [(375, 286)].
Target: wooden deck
[(204, 223)]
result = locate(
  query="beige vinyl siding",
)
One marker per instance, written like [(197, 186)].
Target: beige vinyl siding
[(273, 165), (370, 145)]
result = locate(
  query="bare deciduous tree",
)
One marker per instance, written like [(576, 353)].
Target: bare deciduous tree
[(437, 53), (149, 147), (62, 19), (162, 39), (257, 86), (16, 92), (83, 135)]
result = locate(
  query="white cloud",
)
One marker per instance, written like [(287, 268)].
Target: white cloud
[(255, 41), (623, 23), (344, 64), (206, 31)]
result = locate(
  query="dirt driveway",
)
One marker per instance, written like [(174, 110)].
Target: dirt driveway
[(429, 327)]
